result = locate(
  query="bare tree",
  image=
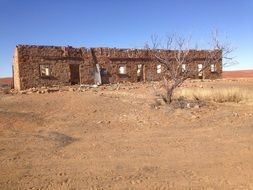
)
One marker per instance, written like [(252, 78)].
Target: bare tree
[(178, 64)]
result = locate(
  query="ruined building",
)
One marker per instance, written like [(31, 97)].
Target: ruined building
[(36, 66)]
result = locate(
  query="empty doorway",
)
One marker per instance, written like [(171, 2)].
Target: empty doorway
[(74, 74), (139, 72)]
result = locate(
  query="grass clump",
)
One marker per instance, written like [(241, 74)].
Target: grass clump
[(220, 95)]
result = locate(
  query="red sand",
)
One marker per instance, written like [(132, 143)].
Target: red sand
[(7, 80), (238, 74)]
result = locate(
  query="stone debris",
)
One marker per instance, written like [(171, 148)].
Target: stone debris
[(77, 88), (235, 114), (42, 90), (80, 88)]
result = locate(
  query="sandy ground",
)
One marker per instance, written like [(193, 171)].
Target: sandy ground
[(113, 139)]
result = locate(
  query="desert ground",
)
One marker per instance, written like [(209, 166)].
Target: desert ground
[(120, 137), (6, 81), (238, 74)]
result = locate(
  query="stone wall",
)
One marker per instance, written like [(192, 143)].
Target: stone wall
[(27, 61), (31, 57)]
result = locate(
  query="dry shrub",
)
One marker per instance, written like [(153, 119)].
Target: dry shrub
[(5, 90), (156, 104), (220, 95)]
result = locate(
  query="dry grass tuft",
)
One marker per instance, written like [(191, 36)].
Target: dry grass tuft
[(5, 90), (220, 95)]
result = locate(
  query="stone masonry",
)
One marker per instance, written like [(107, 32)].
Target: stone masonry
[(68, 65)]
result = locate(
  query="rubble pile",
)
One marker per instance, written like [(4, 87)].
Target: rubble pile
[(77, 88)]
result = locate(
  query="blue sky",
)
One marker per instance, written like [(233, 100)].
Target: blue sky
[(118, 23)]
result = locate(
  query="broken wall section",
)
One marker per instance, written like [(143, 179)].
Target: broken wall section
[(31, 58)]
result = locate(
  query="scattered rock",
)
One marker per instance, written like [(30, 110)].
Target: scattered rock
[(235, 114), (183, 103), (194, 116), (94, 86), (22, 92), (53, 89), (196, 106)]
